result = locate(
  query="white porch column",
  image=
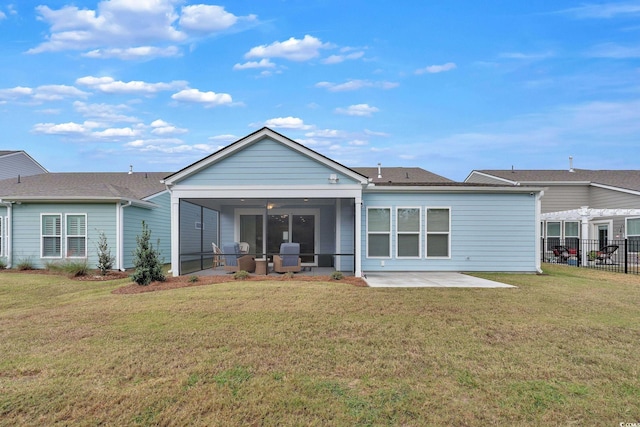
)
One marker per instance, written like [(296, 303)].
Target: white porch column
[(175, 235), (584, 233), (358, 236)]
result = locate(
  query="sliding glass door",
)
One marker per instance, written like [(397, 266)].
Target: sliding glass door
[(265, 232)]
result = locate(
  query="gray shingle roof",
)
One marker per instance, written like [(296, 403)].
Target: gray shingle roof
[(84, 185), (402, 176), (626, 179)]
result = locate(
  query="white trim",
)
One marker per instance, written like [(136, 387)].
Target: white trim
[(272, 192), (419, 232), (66, 235), (357, 245), (42, 236), (427, 233), (2, 239), (389, 232), (491, 176)]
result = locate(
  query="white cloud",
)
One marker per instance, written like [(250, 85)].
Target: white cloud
[(131, 53), (115, 27), (358, 142), (361, 110), (116, 133), (325, 133), (432, 69), (2, 15), (206, 18), (527, 56), (160, 127), (336, 59), (210, 99), (287, 123), (374, 133), (223, 138), (70, 128), (355, 85), (292, 49), (263, 63), (42, 93), (110, 85), (104, 112), (614, 51), (604, 10)]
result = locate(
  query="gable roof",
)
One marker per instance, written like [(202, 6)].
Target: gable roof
[(623, 179), (253, 138), (79, 186)]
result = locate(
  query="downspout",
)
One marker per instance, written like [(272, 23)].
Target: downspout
[(120, 231), (539, 231), (8, 234)]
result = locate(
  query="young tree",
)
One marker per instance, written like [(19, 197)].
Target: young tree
[(105, 260), (146, 260)]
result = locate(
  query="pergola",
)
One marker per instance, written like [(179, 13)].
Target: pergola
[(585, 214)]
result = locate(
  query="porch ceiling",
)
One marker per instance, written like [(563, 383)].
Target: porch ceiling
[(589, 213), (264, 203)]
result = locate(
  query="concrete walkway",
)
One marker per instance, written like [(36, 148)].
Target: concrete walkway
[(432, 279)]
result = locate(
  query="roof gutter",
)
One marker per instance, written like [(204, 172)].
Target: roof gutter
[(7, 241), (47, 199), (452, 189)]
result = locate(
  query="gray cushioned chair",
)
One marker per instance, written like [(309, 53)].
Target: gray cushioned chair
[(234, 260), (288, 259)]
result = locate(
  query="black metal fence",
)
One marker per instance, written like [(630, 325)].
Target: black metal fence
[(622, 256)]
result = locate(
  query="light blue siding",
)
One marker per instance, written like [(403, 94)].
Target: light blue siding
[(489, 232), (26, 229), (266, 162), (159, 222)]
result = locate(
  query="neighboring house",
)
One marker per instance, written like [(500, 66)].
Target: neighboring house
[(266, 189), (18, 163), (598, 205), (54, 217)]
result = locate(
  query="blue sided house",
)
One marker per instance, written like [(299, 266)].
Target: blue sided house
[(265, 190)]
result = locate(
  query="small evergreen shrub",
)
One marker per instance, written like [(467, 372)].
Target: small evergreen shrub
[(105, 259), (146, 260), (337, 275), (193, 279), (240, 275)]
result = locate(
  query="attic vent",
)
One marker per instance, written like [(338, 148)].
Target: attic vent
[(130, 169), (571, 164), (407, 175)]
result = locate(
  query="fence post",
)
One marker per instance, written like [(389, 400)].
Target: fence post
[(626, 256)]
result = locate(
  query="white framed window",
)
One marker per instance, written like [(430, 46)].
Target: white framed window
[(408, 232), (572, 234), (633, 233), (553, 234), (378, 232), (51, 235), (438, 232), (76, 235)]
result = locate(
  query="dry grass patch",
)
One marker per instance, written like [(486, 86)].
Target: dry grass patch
[(560, 349)]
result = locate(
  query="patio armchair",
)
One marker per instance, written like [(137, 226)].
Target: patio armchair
[(561, 253), (217, 255), (605, 254), (288, 259), (234, 260)]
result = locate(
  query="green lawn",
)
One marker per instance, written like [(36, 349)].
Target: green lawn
[(561, 349)]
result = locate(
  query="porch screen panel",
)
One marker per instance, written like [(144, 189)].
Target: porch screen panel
[(303, 232), (438, 230), (51, 235), (379, 232), (76, 236)]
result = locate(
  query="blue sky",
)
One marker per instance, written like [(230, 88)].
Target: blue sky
[(447, 86)]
